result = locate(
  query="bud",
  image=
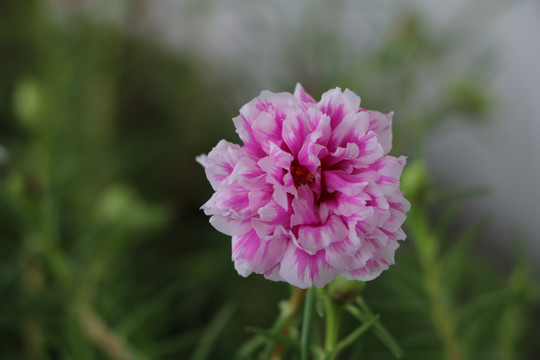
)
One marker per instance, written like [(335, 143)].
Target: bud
[(343, 291)]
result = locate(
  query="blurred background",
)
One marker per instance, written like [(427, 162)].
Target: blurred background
[(104, 253)]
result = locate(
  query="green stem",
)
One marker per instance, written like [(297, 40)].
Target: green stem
[(442, 314), (306, 324), (288, 311), (333, 317)]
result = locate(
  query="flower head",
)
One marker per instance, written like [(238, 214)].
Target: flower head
[(311, 194)]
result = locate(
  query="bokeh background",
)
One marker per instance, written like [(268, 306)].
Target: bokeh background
[(104, 105)]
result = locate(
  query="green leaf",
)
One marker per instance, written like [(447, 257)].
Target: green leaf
[(483, 305), (355, 335), (363, 313), (270, 335), (513, 321), (457, 257), (476, 319), (446, 218), (149, 309), (249, 347), (210, 335)]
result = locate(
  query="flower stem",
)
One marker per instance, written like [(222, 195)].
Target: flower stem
[(306, 324), (333, 317), (289, 309), (441, 311)]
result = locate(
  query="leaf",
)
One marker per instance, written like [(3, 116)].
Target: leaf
[(270, 335), (455, 261), (476, 319), (483, 304), (212, 332), (446, 218), (249, 347), (513, 323), (355, 335), (150, 308), (364, 314)]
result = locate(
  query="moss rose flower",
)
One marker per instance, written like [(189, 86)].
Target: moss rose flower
[(311, 194)]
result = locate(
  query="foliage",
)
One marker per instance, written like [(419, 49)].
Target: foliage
[(104, 254)]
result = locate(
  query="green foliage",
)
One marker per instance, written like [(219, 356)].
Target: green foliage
[(104, 253)]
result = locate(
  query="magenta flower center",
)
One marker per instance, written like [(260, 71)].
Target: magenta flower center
[(301, 174)]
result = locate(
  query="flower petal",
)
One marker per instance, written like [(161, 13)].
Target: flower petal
[(304, 212), (337, 180), (312, 238), (251, 254), (300, 93), (303, 270), (230, 226), (381, 124), (220, 162), (337, 105)]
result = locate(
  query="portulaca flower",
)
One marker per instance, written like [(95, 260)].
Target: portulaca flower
[(311, 194)]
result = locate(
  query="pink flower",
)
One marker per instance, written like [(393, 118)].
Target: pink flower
[(311, 193)]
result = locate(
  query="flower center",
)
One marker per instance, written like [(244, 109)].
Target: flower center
[(301, 174)]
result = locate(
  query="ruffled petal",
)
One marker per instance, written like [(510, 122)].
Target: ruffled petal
[(301, 269), (220, 162), (300, 93), (381, 124), (337, 105), (379, 261), (304, 212), (337, 180), (230, 226), (310, 124), (251, 254), (312, 238)]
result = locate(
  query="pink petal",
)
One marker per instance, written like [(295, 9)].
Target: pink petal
[(304, 212), (312, 238), (309, 123), (303, 270), (230, 226), (370, 149), (352, 127), (274, 164), (266, 128), (337, 180), (381, 124), (220, 162), (341, 255), (350, 152), (251, 254), (344, 205), (259, 199), (337, 104), (379, 261), (300, 93)]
